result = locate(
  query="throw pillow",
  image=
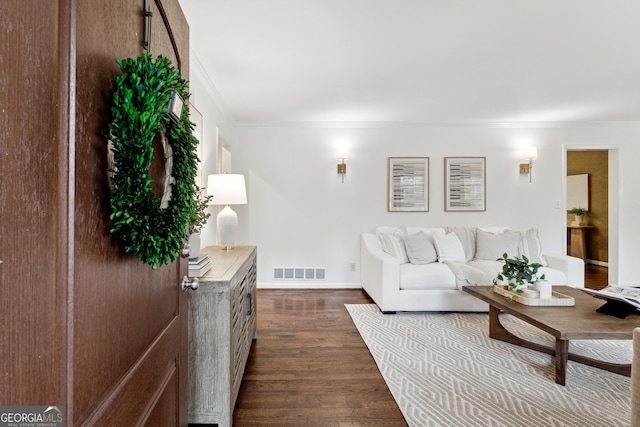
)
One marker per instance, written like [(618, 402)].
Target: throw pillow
[(449, 248), (420, 249), (467, 236), (531, 247), (491, 246), (393, 245)]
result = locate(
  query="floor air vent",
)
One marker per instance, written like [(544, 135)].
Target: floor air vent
[(299, 273), (309, 273), (288, 273)]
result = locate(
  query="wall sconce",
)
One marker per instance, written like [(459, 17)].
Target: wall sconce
[(531, 154), (342, 166)]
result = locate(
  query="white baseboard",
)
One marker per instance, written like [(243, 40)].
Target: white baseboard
[(310, 285)]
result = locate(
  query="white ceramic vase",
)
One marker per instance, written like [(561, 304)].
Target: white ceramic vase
[(544, 288)]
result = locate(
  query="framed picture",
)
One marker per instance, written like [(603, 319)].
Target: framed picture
[(408, 184), (465, 182)]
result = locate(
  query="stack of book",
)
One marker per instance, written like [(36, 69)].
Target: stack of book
[(199, 266)]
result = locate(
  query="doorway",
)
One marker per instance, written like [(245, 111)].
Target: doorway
[(598, 167)]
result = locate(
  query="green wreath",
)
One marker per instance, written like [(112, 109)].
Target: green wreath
[(153, 233)]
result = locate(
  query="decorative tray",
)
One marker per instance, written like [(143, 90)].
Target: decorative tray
[(557, 299)]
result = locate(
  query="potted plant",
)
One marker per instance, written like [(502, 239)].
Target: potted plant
[(518, 273), (580, 214), (197, 219)]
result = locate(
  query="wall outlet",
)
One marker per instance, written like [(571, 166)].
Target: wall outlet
[(353, 267)]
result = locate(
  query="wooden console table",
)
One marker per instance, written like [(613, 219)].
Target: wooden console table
[(222, 326), (578, 240)]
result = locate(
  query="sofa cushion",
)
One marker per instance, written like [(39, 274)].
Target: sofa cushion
[(391, 240), (449, 248), (419, 248), (531, 247), (476, 272), (490, 246), (489, 267), (427, 276)]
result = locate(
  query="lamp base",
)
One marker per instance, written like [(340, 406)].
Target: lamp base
[(227, 225)]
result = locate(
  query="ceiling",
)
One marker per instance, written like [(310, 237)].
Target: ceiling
[(420, 61)]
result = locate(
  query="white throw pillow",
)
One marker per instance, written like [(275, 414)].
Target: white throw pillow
[(420, 249), (393, 245), (467, 236), (449, 248), (491, 246), (532, 248)]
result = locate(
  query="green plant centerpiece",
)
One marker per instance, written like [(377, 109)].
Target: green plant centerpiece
[(152, 229), (518, 273), (580, 215), (578, 211)]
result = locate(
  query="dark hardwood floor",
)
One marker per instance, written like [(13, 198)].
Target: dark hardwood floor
[(596, 277), (310, 367)]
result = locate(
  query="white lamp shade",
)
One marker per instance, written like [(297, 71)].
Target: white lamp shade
[(531, 153), (227, 189)]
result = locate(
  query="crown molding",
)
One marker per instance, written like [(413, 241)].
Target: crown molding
[(484, 125)]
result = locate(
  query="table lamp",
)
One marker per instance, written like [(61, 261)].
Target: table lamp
[(227, 189)]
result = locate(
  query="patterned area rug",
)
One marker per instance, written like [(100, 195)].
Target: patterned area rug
[(444, 370)]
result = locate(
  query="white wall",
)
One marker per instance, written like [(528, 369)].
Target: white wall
[(299, 214), (215, 124)]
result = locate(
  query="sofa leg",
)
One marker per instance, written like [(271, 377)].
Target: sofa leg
[(369, 296)]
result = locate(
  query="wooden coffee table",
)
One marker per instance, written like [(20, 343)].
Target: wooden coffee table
[(565, 323)]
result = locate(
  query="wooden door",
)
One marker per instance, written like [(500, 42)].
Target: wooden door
[(33, 203), (130, 322), (85, 326)]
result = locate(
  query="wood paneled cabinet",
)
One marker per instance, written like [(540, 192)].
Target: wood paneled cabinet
[(222, 326)]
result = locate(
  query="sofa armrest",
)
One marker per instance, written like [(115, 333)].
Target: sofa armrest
[(379, 273), (572, 267)]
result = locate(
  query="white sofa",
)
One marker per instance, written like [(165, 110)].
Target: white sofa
[(423, 269)]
